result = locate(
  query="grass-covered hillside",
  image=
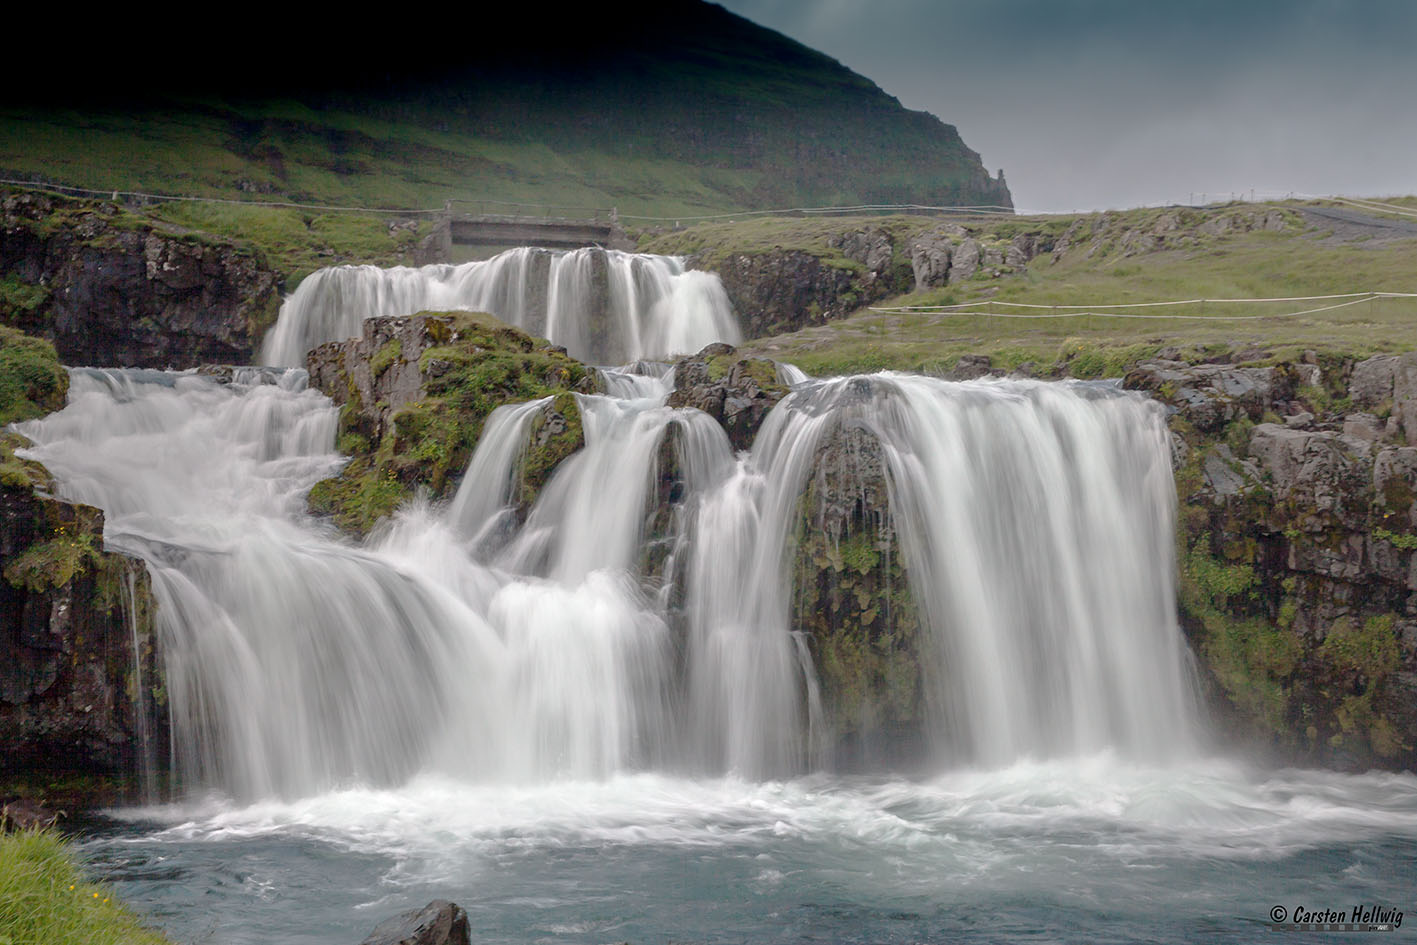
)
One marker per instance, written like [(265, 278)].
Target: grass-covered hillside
[(1095, 260), (670, 108)]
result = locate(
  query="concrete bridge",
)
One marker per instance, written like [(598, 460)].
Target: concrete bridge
[(499, 231)]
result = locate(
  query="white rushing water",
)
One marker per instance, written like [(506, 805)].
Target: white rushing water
[(603, 306), (593, 720), (604, 634)]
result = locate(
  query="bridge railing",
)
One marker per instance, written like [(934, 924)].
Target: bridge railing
[(516, 212)]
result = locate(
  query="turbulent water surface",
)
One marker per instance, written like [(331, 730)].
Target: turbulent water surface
[(597, 724)]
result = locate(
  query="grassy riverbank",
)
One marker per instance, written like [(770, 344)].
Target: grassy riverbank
[(45, 899)]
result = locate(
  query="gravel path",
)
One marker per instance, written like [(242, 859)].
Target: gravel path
[(1348, 226)]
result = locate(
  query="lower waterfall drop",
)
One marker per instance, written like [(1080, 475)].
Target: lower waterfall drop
[(604, 631)]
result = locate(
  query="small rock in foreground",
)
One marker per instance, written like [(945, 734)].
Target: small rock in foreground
[(438, 923)]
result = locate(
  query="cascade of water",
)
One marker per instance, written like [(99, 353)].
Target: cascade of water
[(479, 507), (748, 676), (1034, 521), (603, 306), (790, 374), (142, 721)]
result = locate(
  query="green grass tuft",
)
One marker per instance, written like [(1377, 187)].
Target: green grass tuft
[(45, 899)]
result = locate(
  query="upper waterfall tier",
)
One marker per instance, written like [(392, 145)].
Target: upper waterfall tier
[(603, 306)]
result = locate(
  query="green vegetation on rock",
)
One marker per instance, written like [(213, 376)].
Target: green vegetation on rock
[(53, 562), (32, 382), (45, 898), (473, 364), (297, 242)]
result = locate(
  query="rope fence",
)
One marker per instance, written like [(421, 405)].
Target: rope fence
[(1111, 310), (66, 190)]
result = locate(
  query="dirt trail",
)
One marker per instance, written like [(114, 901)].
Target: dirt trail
[(1351, 226)]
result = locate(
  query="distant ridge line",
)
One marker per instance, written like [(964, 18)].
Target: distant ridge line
[(70, 190), (613, 213)]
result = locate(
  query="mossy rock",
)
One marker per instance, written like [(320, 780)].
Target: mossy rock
[(475, 364), (32, 382)]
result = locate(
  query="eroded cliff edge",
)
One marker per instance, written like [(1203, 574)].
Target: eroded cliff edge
[(1297, 549), (76, 623), (109, 287)]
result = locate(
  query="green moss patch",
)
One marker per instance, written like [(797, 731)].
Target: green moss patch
[(54, 562), (32, 382)]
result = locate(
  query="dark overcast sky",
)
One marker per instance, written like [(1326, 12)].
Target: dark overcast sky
[(1116, 103)]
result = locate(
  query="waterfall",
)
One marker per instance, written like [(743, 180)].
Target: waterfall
[(638, 614), (1036, 523), (603, 306)]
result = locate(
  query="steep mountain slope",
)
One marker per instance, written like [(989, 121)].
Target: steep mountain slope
[(666, 108)]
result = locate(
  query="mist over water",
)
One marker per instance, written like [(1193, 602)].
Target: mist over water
[(602, 306), (591, 720)]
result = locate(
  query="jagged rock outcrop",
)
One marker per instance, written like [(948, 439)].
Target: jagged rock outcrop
[(110, 288), (1298, 550), (737, 392), (1213, 395), (414, 392), (931, 255), (1389, 384), (784, 290), (1133, 234)]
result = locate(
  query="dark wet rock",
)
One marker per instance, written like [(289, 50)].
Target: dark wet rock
[(972, 366), (1211, 395), (26, 814), (70, 616), (737, 392), (109, 288), (853, 600), (438, 923), (784, 290)]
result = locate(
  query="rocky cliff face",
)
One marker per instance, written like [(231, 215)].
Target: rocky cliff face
[(71, 616), (780, 290), (76, 622), (1298, 549), (783, 279), (109, 288)]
